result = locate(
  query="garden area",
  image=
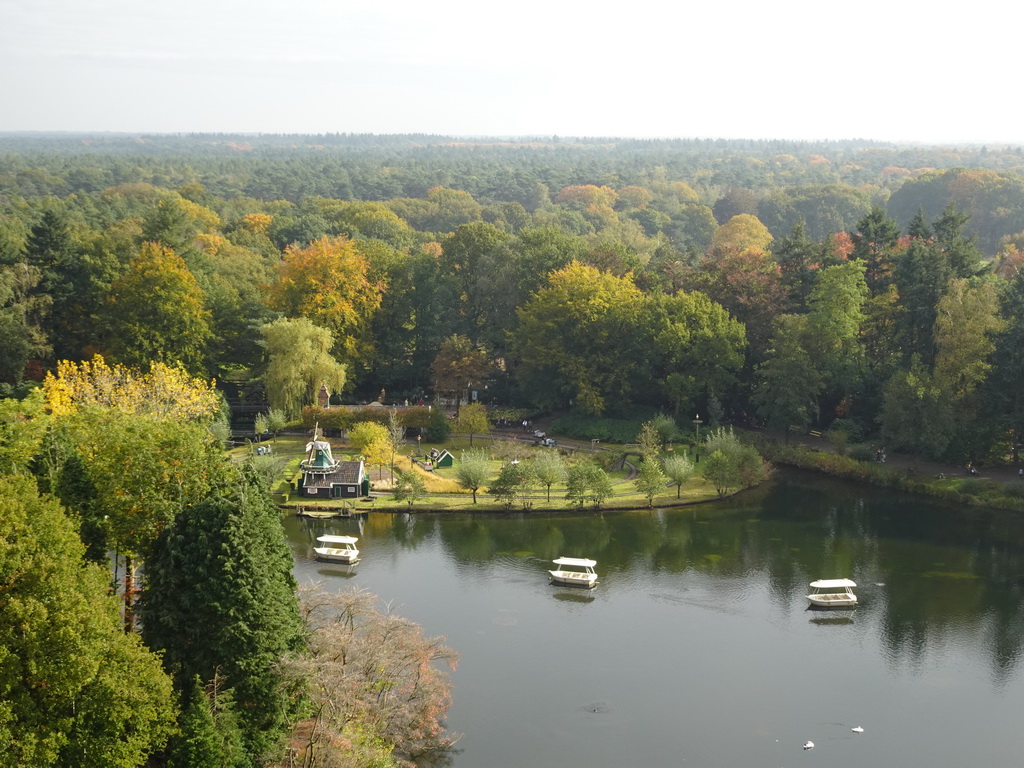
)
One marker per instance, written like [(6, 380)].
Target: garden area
[(515, 472)]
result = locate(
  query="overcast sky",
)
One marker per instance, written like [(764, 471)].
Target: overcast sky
[(802, 69)]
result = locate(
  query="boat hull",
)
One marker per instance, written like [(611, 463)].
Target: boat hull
[(332, 555), (574, 579), (832, 601)]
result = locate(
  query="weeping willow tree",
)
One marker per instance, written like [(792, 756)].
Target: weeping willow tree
[(299, 362)]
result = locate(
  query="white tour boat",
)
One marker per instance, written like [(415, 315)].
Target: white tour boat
[(338, 549), (832, 593), (576, 571)]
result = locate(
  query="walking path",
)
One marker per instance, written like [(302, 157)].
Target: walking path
[(913, 464)]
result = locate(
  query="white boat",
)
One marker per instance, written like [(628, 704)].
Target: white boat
[(832, 593), (337, 549), (576, 571)]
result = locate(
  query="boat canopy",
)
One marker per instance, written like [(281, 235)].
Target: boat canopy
[(337, 539), (577, 561), (832, 583)]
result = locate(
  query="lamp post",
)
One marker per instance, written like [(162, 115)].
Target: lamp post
[(696, 423)]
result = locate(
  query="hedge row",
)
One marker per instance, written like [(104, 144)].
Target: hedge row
[(343, 418), (581, 427)]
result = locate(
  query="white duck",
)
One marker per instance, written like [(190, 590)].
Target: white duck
[(857, 729)]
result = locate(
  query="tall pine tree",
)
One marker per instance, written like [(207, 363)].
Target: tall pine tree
[(220, 599)]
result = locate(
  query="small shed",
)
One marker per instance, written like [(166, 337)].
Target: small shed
[(443, 459)]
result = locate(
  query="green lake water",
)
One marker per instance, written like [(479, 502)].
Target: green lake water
[(696, 648)]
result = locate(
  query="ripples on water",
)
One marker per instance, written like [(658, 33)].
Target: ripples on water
[(697, 648)]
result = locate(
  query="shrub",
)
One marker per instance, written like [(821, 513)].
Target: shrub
[(509, 450), (583, 427), (1013, 490), (731, 464), (840, 440), (377, 686), (342, 417), (667, 429), (438, 428), (975, 487), (861, 452), (849, 426)]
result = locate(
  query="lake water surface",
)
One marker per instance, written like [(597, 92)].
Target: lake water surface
[(696, 648)]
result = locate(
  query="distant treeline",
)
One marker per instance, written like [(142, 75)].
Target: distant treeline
[(777, 180)]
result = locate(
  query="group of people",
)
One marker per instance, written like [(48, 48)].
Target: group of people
[(507, 423)]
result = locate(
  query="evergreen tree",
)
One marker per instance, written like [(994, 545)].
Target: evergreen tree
[(197, 745), (169, 224), (50, 247), (208, 734), (921, 276), (797, 256), (962, 252), (220, 598), (873, 243), (919, 226), (70, 280)]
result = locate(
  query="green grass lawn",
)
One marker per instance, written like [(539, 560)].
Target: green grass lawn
[(291, 449)]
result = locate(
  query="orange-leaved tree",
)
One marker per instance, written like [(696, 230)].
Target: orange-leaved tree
[(328, 283)]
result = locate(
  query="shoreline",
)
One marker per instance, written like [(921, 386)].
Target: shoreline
[(979, 492)]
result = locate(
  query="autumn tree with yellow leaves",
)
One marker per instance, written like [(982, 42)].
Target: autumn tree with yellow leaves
[(162, 391), (144, 442), (328, 283)]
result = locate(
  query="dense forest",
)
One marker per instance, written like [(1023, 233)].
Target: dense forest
[(847, 285)]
